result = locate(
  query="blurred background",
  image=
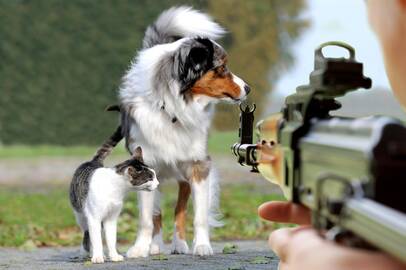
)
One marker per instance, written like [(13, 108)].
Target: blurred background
[(61, 64)]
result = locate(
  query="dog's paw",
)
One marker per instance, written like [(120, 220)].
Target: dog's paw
[(203, 250), (156, 248), (117, 258), (98, 259), (137, 251), (157, 244), (179, 246)]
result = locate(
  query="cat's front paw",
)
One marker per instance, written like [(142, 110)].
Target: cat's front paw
[(138, 250), (98, 259), (202, 250), (117, 258)]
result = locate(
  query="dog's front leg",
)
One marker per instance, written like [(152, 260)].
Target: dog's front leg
[(179, 244), (157, 245), (200, 190), (142, 245)]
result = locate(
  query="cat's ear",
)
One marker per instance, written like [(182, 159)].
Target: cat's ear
[(138, 154)]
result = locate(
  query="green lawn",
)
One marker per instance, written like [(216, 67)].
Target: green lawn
[(45, 218), (219, 143)]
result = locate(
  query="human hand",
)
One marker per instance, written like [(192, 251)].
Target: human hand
[(302, 247)]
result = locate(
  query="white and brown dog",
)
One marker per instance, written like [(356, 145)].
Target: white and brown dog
[(167, 100)]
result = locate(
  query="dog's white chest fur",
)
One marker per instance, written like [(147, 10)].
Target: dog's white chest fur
[(165, 141)]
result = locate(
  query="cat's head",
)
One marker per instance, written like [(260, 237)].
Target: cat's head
[(138, 175)]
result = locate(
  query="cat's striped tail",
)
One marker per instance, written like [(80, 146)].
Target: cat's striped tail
[(108, 146)]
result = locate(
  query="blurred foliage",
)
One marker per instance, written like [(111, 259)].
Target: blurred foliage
[(61, 61), (258, 43)]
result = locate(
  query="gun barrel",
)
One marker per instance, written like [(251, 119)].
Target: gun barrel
[(365, 151), (379, 225), (246, 154)]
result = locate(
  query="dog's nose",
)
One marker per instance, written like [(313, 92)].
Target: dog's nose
[(247, 89)]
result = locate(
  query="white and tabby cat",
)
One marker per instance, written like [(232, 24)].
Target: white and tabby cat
[(97, 194)]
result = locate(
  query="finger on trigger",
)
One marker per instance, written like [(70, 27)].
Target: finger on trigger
[(284, 212)]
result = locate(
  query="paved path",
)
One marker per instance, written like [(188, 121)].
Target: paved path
[(252, 255)]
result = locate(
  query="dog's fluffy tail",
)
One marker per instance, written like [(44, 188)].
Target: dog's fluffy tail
[(214, 199), (179, 22)]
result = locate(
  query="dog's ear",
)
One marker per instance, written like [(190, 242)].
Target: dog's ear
[(198, 57), (194, 58)]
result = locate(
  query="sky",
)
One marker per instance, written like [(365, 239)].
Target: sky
[(343, 20)]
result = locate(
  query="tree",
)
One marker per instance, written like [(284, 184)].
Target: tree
[(61, 62), (258, 43), (61, 65)]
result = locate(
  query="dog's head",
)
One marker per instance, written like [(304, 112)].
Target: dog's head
[(200, 65)]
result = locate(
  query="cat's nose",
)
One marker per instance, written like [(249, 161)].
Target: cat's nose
[(154, 184)]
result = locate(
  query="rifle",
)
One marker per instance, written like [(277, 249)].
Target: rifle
[(350, 172)]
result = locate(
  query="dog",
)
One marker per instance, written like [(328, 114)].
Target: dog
[(167, 100)]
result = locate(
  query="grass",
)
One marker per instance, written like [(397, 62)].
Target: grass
[(45, 218), (219, 143)]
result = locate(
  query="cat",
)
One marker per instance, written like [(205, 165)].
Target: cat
[(97, 194)]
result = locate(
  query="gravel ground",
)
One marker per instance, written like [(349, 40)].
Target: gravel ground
[(251, 255)]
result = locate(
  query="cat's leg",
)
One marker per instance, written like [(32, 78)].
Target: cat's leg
[(95, 239), (85, 247), (157, 244), (141, 247), (200, 190), (110, 230), (179, 244)]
